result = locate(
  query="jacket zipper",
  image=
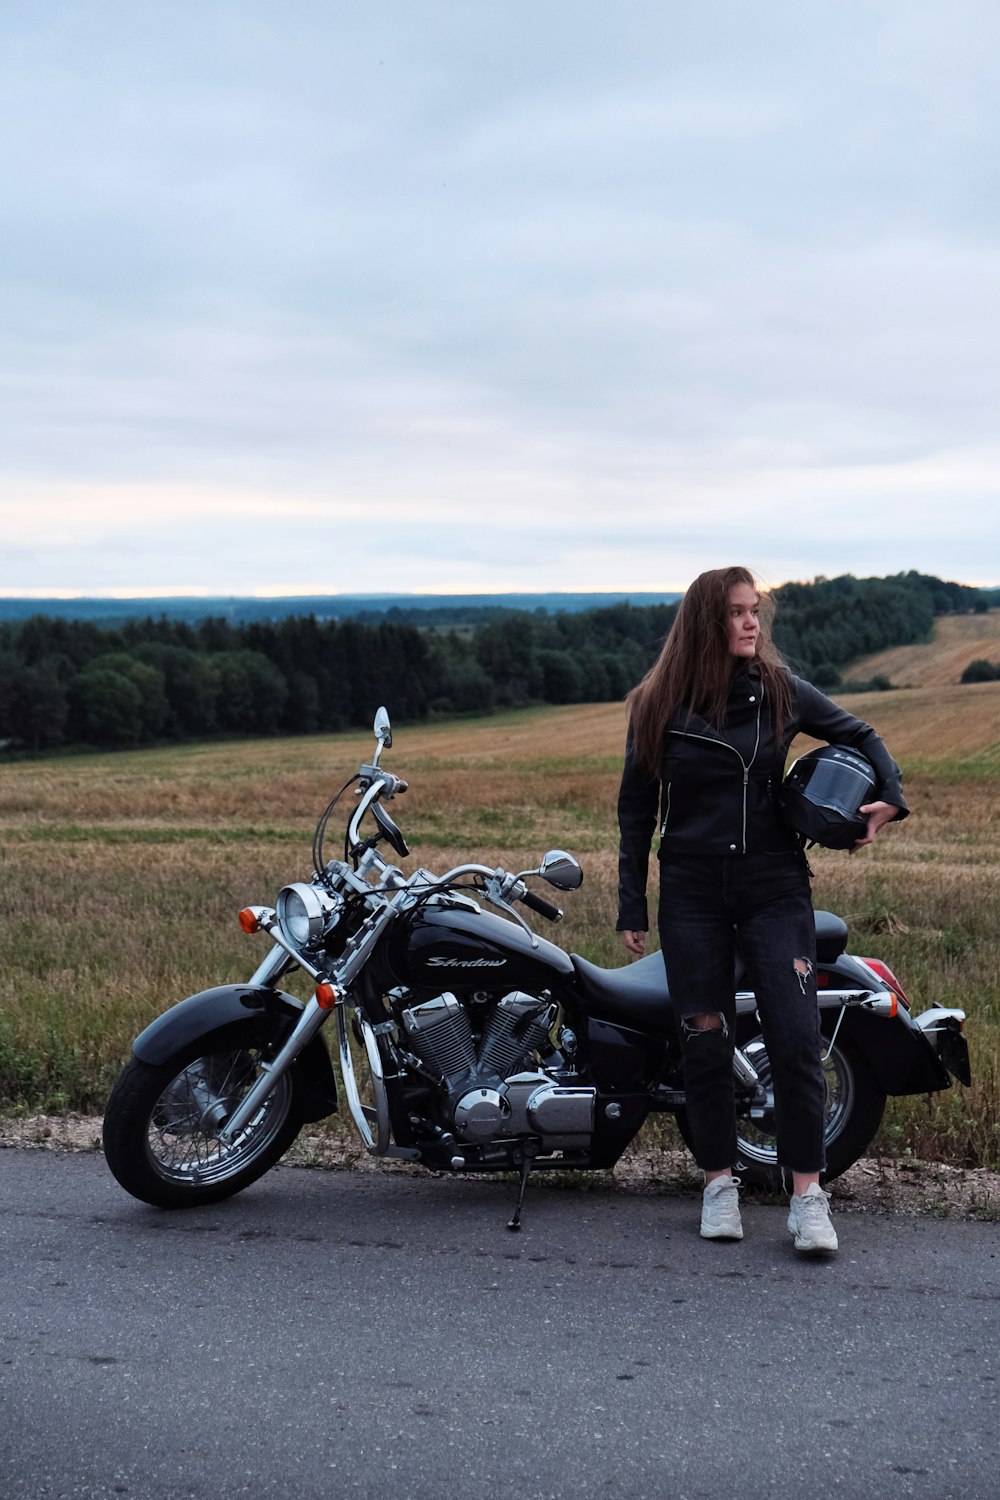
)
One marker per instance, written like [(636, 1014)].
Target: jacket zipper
[(746, 764), (666, 814)]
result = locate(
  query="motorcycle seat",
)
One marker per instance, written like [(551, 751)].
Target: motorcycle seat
[(637, 995)]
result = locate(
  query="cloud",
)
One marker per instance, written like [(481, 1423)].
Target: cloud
[(508, 280)]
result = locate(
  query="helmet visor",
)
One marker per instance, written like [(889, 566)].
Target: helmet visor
[(838, 786)]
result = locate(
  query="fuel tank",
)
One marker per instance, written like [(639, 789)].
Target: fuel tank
[(454, 948)]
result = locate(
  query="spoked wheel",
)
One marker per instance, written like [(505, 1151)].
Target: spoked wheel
[(854, 1106), (161, 1128)]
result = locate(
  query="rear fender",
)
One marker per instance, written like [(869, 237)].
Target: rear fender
[(902, 1059), (231, 1014), (897, 1052)]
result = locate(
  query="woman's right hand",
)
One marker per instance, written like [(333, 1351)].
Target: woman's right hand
[(635, 942)]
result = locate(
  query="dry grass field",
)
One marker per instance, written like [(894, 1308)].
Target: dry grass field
[(958, 640), (121, 875)]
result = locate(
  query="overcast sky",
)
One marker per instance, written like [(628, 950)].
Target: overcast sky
[(472, 295)]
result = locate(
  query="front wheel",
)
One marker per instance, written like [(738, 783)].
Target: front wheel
[(161, 1127), (854, 1107)]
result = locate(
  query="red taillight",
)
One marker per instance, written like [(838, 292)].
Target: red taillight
[(822, 980), (888, 977)]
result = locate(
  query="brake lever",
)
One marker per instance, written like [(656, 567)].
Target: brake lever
[(497, 887)]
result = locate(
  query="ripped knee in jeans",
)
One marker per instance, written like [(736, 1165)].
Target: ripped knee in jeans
[(802, 969), (711, 1021)]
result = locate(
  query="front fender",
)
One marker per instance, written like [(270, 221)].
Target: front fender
[(233, 1013)]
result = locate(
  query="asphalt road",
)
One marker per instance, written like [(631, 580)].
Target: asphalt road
[(338, 1334)]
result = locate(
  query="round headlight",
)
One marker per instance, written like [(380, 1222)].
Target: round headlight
[(302, 914)]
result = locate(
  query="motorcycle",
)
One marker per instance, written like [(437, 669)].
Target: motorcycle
[(466, 1042)]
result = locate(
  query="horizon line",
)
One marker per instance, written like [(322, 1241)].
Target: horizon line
[(73, 595)]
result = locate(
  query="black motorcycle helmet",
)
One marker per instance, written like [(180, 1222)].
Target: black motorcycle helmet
[(822, 792)]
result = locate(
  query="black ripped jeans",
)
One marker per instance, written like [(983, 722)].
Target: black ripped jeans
[(708, 904)]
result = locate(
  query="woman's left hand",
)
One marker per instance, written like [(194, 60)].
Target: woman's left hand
[(878, 814)]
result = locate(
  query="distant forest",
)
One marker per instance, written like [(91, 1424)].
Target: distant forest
[(370, 609), (146, 681)]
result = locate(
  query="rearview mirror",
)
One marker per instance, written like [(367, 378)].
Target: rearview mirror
[(383, 733), (383, 729), (561, 870)]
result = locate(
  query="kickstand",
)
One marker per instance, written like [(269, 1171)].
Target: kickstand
[(527, 1162)]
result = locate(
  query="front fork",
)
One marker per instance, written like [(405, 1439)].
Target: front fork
[(277, 962), (372, 1120), (357, 950), (306, 1027)]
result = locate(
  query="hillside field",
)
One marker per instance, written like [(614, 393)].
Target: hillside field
[(958, 640), (121, 875)]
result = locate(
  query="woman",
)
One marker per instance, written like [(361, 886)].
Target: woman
[(709, 730)]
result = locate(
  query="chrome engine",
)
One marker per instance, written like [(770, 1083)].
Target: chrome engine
[(494, 1089)]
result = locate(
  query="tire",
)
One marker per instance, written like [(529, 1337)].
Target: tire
[(854, 1107), (161, 1123)]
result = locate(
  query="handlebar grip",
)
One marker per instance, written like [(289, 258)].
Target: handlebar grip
[(544, 908)]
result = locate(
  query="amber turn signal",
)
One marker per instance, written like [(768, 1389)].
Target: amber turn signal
[(326, 995), (248, 920)]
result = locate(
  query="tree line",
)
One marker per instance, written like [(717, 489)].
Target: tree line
[(71, 682)]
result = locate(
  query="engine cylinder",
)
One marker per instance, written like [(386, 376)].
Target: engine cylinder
[(439, 1033), (518, 1025)]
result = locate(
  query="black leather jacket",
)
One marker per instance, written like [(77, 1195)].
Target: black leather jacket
[(716, 788)]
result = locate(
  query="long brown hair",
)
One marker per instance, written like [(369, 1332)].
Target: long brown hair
[(694, 671)]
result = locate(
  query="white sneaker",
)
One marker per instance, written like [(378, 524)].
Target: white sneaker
[(809, 1221), (720, 1210)]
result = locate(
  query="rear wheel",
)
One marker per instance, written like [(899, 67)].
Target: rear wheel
[(161, 1127), (854, 1107)]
